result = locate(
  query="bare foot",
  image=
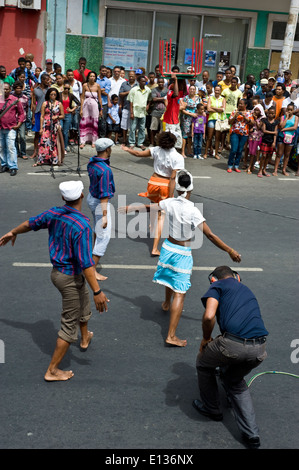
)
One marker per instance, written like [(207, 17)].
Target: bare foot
[(174, 341), (274, 173), (155, 253), (58, 375), (285, 173), (165, 306), (100, 277), (33, 155), (84, 344), (205, 156)]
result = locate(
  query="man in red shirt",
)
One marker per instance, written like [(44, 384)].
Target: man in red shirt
[(13, 115), (177, 90), (81, 73)]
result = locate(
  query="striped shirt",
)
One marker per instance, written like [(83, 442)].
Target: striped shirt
[(101, 178), (70, 238)]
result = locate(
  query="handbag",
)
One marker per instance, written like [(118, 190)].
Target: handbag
[(288, 138), (222, 126), (95, 98)]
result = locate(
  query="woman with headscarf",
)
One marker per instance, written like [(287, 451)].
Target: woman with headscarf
[(175, 262)]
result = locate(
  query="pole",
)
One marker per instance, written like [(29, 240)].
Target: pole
[(286, 54)]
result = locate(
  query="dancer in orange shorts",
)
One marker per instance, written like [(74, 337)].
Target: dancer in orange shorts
[(167, 161)]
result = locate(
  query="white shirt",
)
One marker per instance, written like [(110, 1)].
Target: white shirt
[(115, 85), (77, 88), (165, 161), (183, 217), (288, 100)]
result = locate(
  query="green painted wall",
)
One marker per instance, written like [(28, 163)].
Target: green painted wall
[(90, 19), (261, 29), (83, 46), (256, 61)]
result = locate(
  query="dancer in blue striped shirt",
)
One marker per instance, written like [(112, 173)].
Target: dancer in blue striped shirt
[(101, 190), (70, 249)]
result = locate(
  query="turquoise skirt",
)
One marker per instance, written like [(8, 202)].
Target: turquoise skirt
[(174, 267)]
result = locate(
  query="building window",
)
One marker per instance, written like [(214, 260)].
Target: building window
[(220, 35), (226, 35), (278, 31)]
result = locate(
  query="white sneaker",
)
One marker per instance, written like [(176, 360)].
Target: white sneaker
[(200, 157), (195, 157)]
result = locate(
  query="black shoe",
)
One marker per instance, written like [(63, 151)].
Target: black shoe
[(13, 172), (251, 442), (3, 169), (202, 410)]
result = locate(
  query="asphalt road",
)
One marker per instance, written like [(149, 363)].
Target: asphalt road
[(129, 390)]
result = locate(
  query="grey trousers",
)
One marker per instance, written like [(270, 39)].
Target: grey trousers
[(235, 361)]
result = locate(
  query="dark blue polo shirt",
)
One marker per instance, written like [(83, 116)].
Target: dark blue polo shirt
[(238, 311)]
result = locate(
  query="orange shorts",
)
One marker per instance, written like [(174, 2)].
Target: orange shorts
[(157, 189)]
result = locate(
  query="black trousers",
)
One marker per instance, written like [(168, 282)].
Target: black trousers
[(235, 361)]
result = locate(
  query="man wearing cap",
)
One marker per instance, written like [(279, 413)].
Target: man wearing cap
[(288, 79), (49, 69), (262, 90), (70, 247), (101, 190)]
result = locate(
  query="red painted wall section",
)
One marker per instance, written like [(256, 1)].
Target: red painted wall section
[(22, 30)]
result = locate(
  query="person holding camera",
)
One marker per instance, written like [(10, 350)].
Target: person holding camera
[(239, 132)]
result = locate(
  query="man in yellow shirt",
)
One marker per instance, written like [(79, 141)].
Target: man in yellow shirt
[(138, 98), (232, 94)]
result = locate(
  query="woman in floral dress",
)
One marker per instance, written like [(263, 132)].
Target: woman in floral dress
[(51, 113), (188, 108)]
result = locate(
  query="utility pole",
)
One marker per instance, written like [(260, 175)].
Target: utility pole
[(286, 54)]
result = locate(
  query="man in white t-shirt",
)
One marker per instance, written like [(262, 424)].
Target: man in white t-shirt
[(116, 81)]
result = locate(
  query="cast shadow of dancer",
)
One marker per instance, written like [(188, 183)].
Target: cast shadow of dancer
[(44, 335), (150, 310), (182, 390)]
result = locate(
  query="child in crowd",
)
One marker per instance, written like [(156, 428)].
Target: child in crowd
[(255, 137), (198, 130), (268, 102), (269, 129), (113, 119)]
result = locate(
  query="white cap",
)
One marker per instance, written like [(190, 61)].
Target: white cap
[(180, 188), (71, 190)]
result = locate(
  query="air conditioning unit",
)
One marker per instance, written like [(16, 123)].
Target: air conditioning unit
[(2, 3), (30, 4)]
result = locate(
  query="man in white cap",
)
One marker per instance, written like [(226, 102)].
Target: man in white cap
[(70, 248), (101, 190)]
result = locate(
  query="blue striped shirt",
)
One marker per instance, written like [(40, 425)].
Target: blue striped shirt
[(70, 238), (101, 178)]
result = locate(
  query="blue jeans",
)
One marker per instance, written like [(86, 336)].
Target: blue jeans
[(137, 124), (197, 143), (66, 125), (21, 140), (237, 142), (8, 151)]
